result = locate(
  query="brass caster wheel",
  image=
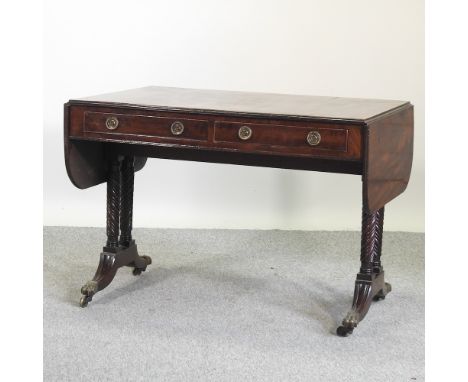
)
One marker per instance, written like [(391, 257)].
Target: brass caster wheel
[(382, 293), (137, 271), (84, 301), (343, 331), (148, 260)]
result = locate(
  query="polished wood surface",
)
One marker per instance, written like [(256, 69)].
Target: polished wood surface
[(217, 132), (246, 103), (372, 138), (286, 138), (140, 127), (388, 157)]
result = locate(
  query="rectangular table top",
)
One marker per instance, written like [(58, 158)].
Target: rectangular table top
[(368, 137), (247, 103)]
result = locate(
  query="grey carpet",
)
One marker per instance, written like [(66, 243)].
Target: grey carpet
[(231, 305)]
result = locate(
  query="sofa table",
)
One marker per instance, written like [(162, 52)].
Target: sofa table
[(109, 137)]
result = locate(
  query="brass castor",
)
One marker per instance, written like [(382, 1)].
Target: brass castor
[(381, 295), (88, 290), (343, 331), (84, 301), (137, 271), (148, 259)]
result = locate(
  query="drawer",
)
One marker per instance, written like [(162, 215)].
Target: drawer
[(141, 126), (307, 139)]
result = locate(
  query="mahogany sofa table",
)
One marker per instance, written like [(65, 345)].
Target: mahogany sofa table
[(109, 137)]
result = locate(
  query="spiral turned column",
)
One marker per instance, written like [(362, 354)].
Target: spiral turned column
[(377, 263), (126, 201), (118, 252), (371, 241), (113, 205), (370, 284)]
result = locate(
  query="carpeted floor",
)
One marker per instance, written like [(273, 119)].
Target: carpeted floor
[(231, 305)]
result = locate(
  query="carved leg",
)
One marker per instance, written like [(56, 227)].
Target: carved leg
[(370, 283), (116, 253), (126, 216)]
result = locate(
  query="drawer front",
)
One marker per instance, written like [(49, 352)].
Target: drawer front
[(141, 127), (283, 138)]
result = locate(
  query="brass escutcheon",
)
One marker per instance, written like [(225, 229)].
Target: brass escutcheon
[(245, 132), (112, 123), (177, 128), (313, 138)]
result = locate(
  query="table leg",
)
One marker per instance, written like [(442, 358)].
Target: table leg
[(117, 252), (370, 283), (126, 215)]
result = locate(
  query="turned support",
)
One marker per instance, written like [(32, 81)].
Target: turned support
[(370, 284), (126, 202), (113, 206), (371, 241), (118, 251)]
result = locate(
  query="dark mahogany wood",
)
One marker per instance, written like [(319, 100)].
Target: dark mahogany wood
[(245, 104), (117, 252), (209, 131), (85, 160), (113, 205), (126, 201), (291, 139), (370, 283), (139, 127), (215, 155), (108, 138), (388, 157)]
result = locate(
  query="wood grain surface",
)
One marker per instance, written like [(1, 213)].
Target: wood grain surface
[(246, 103), (372, 138), (388, 157)]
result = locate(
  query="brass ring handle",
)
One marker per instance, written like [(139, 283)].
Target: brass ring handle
[(112, 123), (313, 138), (177, 128), (245, 132)]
